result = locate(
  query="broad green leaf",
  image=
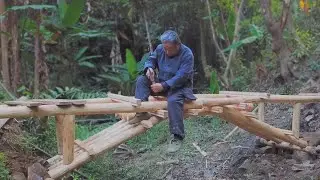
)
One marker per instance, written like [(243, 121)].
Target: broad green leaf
[(256, 34), (37, 7), (214, 85), (63, 6), (91, 34), (142, 62), (89, 57), (73, 12), (131, 64), (87, 64), (80, 53)]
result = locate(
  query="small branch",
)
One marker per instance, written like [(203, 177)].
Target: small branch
[(285, 13), (199, 149), (168, 162), (166, 173)]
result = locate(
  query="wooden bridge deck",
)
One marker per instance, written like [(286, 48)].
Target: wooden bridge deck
[(234, 107)]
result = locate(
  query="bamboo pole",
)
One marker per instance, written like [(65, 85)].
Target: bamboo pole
[(68, 138), (59, 131), (261, 111), (296, 120), (235, 116)]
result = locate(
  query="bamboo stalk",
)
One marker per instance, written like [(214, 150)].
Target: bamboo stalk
[(296, 120), (68, 139)]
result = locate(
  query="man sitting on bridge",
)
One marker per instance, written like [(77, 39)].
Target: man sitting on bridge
[(174, 62)]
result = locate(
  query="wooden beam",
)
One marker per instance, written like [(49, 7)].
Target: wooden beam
[(261, 111), (59, 133), (296, 120), (285, 145), (132, 100), (68, 138), (260, 127)]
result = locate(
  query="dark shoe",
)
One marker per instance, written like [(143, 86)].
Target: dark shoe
[(174, 144), (139, 117)]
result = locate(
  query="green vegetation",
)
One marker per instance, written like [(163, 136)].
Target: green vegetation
[(4, 172)]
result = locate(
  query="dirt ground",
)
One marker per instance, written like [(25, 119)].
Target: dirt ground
[(18, 159)]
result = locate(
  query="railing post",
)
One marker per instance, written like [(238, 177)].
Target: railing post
[(261, 111), (296, 120)]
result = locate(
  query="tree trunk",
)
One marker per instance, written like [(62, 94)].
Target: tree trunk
[(233, 51), (37, 54), (279, 46), (4, 48), (147, 30), (15, 51), (215, 42), (205, 66)]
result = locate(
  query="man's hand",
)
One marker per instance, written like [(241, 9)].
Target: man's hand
[(157, 87), (150, 74)]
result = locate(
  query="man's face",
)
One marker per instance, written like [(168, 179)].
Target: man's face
[(171, 49)]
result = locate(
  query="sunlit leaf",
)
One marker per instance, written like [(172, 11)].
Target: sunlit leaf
[(63, 6), (131, 64), (214, 85)]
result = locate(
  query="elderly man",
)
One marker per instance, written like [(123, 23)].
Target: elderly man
[(174, 62)]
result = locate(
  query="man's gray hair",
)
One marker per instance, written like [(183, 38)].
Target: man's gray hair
[(170, 36)]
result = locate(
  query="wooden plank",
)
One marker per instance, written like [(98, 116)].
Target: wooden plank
[(261, 111), (296, 120), (68, 139), (132, 100), (59, 131)]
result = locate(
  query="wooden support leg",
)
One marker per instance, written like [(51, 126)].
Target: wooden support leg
[(59, 128), (68, 138), (261, 111), (296, 120)]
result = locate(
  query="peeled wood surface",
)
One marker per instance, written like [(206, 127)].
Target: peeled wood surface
[(59, 132), (68, 132), (296, 120), (266, 129)]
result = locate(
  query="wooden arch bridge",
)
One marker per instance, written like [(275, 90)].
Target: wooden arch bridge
[(234, 107)]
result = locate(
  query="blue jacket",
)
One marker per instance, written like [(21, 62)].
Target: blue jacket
[(175, 73)]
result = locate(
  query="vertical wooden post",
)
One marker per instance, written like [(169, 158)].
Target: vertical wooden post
[(59, 128), (261, 111), (296, 120), (68, 138)]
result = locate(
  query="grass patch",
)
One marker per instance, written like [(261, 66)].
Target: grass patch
[(4, 172)]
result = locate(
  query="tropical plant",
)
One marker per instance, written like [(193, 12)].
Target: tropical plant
[(71, 93), (124, 76), (82, 60)]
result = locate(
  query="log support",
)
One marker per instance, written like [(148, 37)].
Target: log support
[(261, 111), (68, 137), (296, 120)]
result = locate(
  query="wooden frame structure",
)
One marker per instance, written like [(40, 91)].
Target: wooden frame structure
[(234, 107)]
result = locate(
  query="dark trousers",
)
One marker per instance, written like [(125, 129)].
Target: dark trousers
[(175, 104)]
